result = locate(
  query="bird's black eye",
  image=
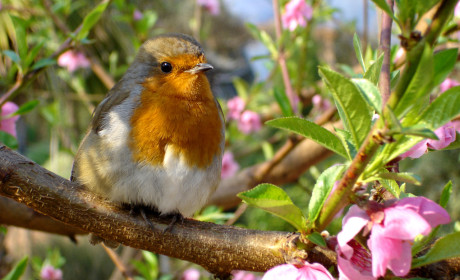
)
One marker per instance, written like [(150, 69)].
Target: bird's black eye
[(166, 67)]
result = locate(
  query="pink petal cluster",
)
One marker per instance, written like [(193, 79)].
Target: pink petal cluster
[(447, 84), (9, 124), (446, 135), (249, 121), (229, 166), (320, 103), (244, 275), (296, 12), (314, 271), (235, 108), (212, 6), (457, 10), (73, 60), (191, 274), (137, 15), (48, 272), (391, 232)]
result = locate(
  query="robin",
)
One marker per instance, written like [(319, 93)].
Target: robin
[(157, 138)]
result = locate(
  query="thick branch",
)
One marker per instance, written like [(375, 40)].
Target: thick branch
[(220, 249)]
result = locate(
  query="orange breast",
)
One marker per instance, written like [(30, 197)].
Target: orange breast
[(178, 112)]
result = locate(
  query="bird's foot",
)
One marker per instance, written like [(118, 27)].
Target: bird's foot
[(176, 217)]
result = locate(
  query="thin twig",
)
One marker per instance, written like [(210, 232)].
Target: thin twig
[(385, 47), (118, 262), (282, 58)]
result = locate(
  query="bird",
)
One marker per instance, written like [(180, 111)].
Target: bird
[(157, 138)]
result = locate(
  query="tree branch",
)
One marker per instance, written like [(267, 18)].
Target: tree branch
[(219, 249)]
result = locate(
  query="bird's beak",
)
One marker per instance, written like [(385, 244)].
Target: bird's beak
[(200, 67)]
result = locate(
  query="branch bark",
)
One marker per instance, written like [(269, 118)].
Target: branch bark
[(219, 249)]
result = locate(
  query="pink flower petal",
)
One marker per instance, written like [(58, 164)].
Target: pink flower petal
[(284, 271), (249, 121), (417, 150), (314, 271), (433, 213), (235, 108), (401, 265), (9, 125), (348, 271), (229, 166), (352, 223), (446, 135), (404, 224)]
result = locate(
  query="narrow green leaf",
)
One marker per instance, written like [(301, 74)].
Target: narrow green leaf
[(382, 4), (445, 195), (353, 109), (345, 137), (268, 42), (91, 19), (392, 187), (373, 73), (425, 6), (444, 248), (13, 56), (20, 26), (442, 109), (444, 62), (322, 189), (33, 53), (359, 51), (18, 270), (311, 131), (417, 92), (275, 201), (317, 239), (370, 93), (283, 102), (401, 177), (395, 78), (26, 107), (419, 130), (8, 139), (43, 63)]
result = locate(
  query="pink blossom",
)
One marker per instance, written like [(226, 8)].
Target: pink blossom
[(235, 107), (446, 135), (358, 265), (457, 10), (48, 272), (73, 60), (392, 231), (212, 6), (191, 274), (320, 103), (9, 124), (243, 275), (314, 271), (137, 15), (296, 12), (249, 121), (229, 166), (447, 84)]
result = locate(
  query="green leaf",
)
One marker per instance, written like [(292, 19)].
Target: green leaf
[(20, 26), (401, 177), (370, 93), (359, 51), (392, 187), (317, 239), (419, 130), (13, 56), (242, 87), (275, 201), (445, 195), (43, 63), (442, 109), (373, 73), (444, 248), (311, 131), (425, 6), (33, 53), (345, 137), (90, 20), (8, 139), (382, 4), (18, 270), (444, 62), (395, 78), (26, 107), (322, 189), (416, 93), (353, 109), (283, 102)]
